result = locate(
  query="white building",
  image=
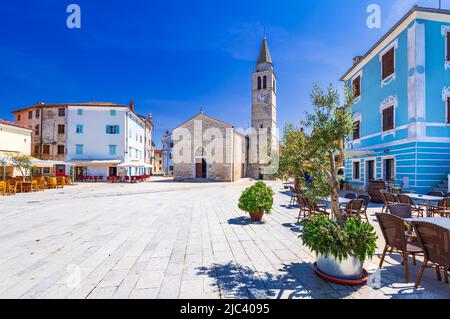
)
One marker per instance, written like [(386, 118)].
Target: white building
[(105, 139)]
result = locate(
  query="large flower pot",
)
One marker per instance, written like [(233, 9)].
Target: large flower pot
[(347, 269), (257, 216)]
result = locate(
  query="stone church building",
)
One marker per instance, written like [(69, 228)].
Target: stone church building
[(208, 149)]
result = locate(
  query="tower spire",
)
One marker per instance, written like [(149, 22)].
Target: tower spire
[(264, 54)]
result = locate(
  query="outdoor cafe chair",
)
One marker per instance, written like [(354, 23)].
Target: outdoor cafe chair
[(11, 187), (435, 242), (3, 188), (442, 209), (294, 193), (304, 207), (400, 210), (366, 199), (354, 208), (393, 230), (315, 208), (436, 194), (405, 199)]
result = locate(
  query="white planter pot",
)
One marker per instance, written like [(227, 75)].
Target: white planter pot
[(348, 269)]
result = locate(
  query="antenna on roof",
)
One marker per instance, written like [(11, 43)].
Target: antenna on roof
[(201, 110)]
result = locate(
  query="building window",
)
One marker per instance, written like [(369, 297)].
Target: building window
[(112, 129), (46, 170), (112, 112), (388, 119), (389, 169), (36, 149), (357, 87), (259, 83), (112, 150), (30, 115), (61, 129), (61, 112), (356, 170), (265, 82), (448, 47), (79, 129), (38, 113), (36, 130), (80, 112), (388, 63), (356, 130), (79, 148), (46, 149), (448, 110), (61, 149), (18, 117)]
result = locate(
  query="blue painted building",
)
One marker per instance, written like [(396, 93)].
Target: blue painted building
[(401, 110)]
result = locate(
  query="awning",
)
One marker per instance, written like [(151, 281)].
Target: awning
[(95, 162), (135, 164), (44, 163)]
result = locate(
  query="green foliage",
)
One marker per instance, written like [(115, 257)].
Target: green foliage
[(22, 163), (327, 237), (257, 197)]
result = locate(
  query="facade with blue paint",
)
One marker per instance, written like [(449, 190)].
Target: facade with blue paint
[(402, 105)]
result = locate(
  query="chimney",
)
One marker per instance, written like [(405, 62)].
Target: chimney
[(132, 106), (356, 59)]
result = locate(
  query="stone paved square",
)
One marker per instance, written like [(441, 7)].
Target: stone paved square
[(169, 240)]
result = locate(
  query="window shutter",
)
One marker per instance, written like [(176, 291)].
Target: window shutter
[(357, 87), (117, 129), (107, 129), (388, 63), (388, 119), (448, 46), (448, 110)]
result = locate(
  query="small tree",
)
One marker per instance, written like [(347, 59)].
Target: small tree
[(330, 124), (23, 164), (293, 154)]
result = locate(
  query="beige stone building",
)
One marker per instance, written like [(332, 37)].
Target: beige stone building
[(208, 149), (15, 140)]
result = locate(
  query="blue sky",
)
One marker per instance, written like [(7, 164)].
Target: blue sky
[(174, 57)]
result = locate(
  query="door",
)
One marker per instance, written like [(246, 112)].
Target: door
[(200, 169), (60, 170), (80, 172), (113, 171), (370, 172)]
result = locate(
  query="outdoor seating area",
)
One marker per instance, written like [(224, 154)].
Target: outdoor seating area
[(33, 184), (412, 225), (113, 179)]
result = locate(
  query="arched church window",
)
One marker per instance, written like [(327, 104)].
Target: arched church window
[(259, 83), (265, 82)]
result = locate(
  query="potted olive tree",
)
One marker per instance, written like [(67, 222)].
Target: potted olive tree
[(341, 244), (257, 200)]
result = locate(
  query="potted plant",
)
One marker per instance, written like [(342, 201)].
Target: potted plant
[(341, 249), (257, 200)]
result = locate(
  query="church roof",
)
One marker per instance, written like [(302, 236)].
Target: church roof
[(264, 54), (201, 114)]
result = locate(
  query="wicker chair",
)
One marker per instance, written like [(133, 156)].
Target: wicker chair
[(436, 194), (294, 194), (405, 199), (304, 207), (350, 196), (11, 187), (435, 242), (315, 208), (393, 229), (400, 210), (354, 208), (442, 209), (366, 199)]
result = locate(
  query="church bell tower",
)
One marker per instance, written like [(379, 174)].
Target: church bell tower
[(264, 102)]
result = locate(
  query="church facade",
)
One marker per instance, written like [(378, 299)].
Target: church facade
[(208, 149)]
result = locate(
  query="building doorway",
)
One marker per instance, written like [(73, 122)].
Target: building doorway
[(80, 173), (201, 169), (112, 171), (60, 170), (370, 170)]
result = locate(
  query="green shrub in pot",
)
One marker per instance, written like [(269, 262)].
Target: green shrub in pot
[(257, 199), (326, 237)]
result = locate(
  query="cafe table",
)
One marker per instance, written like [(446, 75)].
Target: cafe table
[(439, 221), (424, 198)]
